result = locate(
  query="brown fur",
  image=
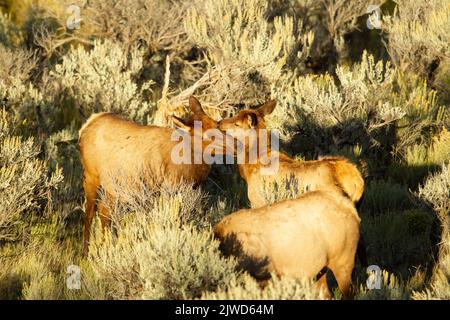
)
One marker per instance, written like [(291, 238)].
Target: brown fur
[(115, 150), (324, 174), (296, 238), (331, 174)]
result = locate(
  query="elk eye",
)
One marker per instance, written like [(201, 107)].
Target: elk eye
[(236, 124)]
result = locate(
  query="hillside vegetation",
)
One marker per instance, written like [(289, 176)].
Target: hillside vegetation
[(379, 96)]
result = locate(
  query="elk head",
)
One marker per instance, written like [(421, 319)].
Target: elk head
[(201, 133), (248, 128), (248, 119)]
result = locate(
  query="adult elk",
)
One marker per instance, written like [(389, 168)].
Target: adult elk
[(296, 238), (329, 173), (116, 151)]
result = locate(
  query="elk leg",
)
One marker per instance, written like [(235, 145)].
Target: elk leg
[(322, 286), (343, 274), (90, 190)]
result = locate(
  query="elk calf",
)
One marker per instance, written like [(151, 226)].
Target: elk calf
[(329, 173), (114, 150), (296, 238), (324, 174)]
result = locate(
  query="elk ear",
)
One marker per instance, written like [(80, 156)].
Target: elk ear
[(267, 108), (180, 124), (195, 106), (252, 119)]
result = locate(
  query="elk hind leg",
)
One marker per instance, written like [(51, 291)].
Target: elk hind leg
[(90, 189), (343, 274), (322, 285)]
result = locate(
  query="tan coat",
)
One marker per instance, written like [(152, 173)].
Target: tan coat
[(296, 238), (111, 146), (116, 152), (329, 173), (324, 174)]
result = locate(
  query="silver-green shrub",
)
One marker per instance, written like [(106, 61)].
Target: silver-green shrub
[(128, 22), (25, 186), (392, 288), (436, 192), (9, 33), (361, 95), (102, 79), (18, 95), (277, 288), (249, 52), (282, 189), (157, 254), (419, 34)]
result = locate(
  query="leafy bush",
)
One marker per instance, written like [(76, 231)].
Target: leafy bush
[(282, 189), (435, 192), (361, 97), (439, 286), (36, 267), (155, 256), (391, 289), (102, 79), (284, 288), (131, 23), (419, 35), (17, 94), (24, 183), (249, 52), (399, 241), (9, 33), (419, 159)]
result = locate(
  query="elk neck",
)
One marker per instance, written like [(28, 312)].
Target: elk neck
[(253, 151)]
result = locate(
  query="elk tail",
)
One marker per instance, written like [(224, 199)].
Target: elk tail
[(350, 179)]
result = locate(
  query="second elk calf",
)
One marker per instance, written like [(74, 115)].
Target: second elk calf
[(296, 238), (329, 173), (336, 174)]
